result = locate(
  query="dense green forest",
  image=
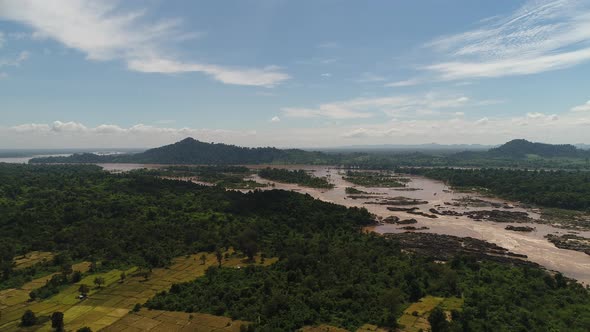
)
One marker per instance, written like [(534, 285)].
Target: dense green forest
[(229, 177), (560, 189), (375, 179), (297, 176), (329, 270)]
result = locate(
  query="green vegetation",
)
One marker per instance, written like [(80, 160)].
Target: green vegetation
[(133, 219), (329, 271), (352, 279), (559, 189), (299, 177), (29, 318), (229, 177), (354, 191), (375, 179)]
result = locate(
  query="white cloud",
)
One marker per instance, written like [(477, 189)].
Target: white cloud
[(368, 77), (410, 82), (15, 61), (31, 127), (102, 31), (108, 129), (357, 133), (74, 134), (326, 75), (2, 39), (540, 36), (542, 116), (570, 128), (275, 119), (482, 121), (360, 108), (582, 108), (459, 114), (266, 77), (331, 111), (3, 75), (70, 126)]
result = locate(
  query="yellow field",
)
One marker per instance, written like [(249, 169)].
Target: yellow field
[(329, 328), (32, 258), (113, 301), (14, 302), (164, 321), (322, 328), (415, 317)]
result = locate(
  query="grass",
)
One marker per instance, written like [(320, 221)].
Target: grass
[(31, 258), (415, 317), (158, 320), (111, 302)]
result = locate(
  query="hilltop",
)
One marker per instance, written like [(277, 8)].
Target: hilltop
[(192, 151), (520, 148)]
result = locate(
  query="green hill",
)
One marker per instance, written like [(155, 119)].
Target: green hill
[(520, 148), (191, 151)]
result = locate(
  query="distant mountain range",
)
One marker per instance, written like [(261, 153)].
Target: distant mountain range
[(191, 151), (431, 147)]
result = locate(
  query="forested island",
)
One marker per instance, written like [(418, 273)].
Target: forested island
[(329, 271), (298, 176)]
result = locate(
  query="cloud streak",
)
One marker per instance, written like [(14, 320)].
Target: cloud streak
[(394, 106), (582, 108), (104, 32), (540, 36)]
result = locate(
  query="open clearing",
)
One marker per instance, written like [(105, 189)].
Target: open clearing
[(415, 317), (31, 258), (108, 304), (164, 321)]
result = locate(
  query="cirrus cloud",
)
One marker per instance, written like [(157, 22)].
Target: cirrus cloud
[(540, 36)]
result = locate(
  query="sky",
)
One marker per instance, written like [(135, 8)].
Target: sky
[(300, 73)]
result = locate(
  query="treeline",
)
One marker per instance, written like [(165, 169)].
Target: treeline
[(560, 189), (299, 177)]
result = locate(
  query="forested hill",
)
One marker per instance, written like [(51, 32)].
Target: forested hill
[(520, 148), (191, 151), (516, 153)]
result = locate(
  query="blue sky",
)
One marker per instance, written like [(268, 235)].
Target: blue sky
[(90, 73)]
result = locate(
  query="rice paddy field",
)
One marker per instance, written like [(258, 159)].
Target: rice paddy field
[(32, 258), (114, 300), (415, 317), (164, 321)]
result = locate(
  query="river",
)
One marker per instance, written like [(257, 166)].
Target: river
[(571, 263)]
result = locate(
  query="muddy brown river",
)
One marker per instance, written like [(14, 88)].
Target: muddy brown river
[(571, 263)]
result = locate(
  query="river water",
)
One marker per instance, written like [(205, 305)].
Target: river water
[(571, 263)]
